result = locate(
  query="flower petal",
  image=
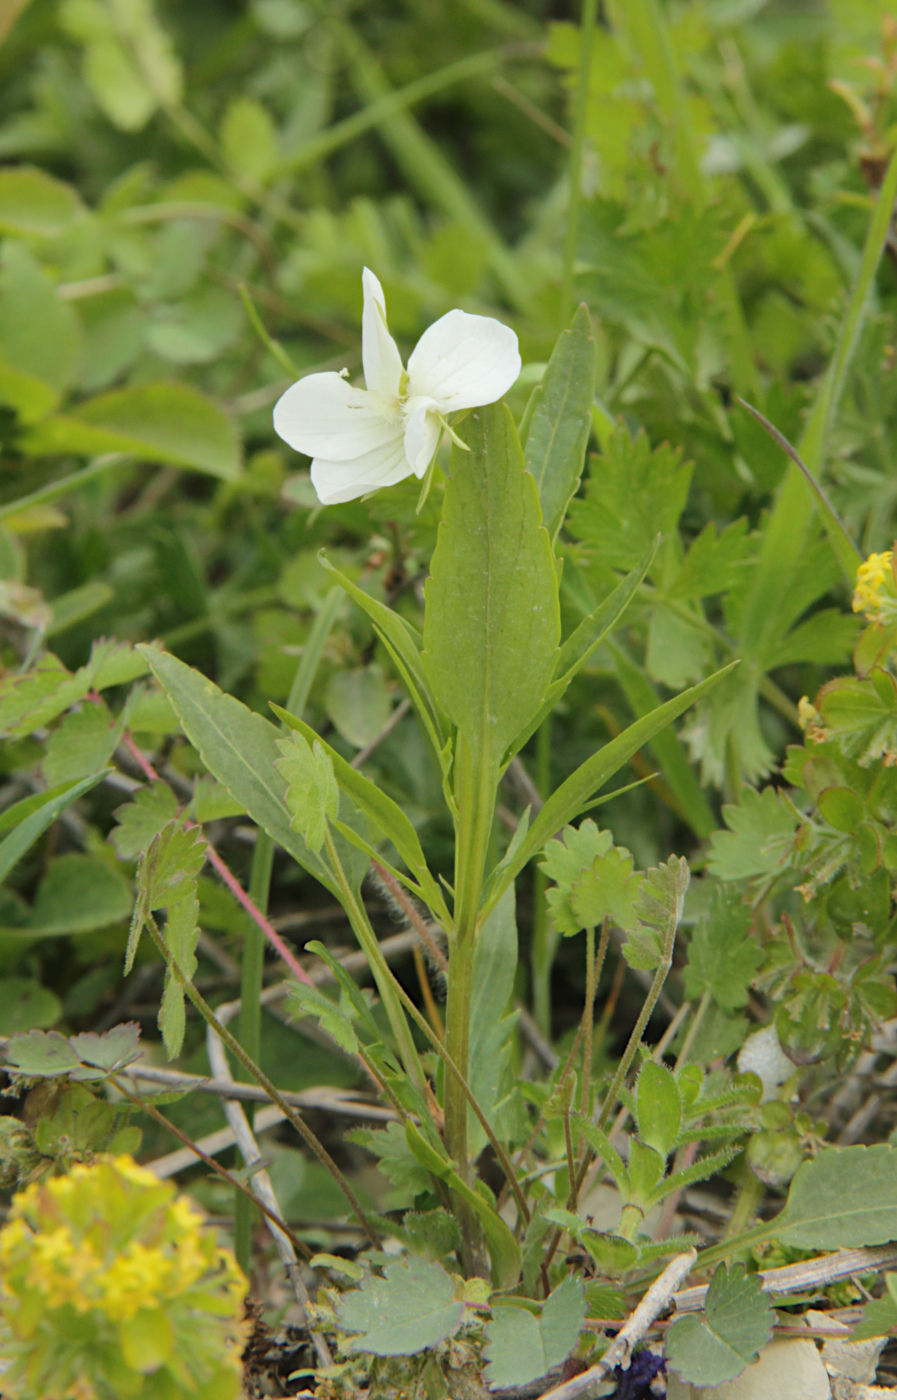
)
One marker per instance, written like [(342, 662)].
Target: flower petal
[(379, 352), (422, 431), (323, 414), (464, 361), (346, 481)]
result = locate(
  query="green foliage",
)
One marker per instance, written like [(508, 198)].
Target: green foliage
[(723, 956), (412, 1307), (845, 1197), (594, 880), (312, 797), (520, 1347), (658, 911), (736, 1325), (558, 421)]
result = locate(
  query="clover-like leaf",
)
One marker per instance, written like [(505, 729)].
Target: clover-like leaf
[(110, 1051), (735, 1326), (520, 1347), (41, 1054)]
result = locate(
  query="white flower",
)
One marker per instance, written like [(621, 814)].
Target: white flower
[(361, 439)]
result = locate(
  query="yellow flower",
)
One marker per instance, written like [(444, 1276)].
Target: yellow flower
[(875, 593), (810, 721)]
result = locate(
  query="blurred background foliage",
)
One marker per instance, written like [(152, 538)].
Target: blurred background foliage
[(174, 172)]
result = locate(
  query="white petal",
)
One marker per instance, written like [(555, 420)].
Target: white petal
[(379, 352), (464, 361), (323, 415), (346, 481), (422, 432)]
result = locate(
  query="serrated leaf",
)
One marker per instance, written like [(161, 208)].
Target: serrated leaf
[(152, 808), (761, 833), (735, 1326), (658, 910), (82, 744), (843, 1199), (397, 1161), (714, 564), (169, 867), (723, 954), (608, 889), (411, 1308), (112, 1049), (305, 1000), (312, 797), (41, 1054), (520, 1347), (563, 863)]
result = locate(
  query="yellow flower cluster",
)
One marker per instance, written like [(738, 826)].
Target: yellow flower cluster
[(152, 1290), (875, 593)]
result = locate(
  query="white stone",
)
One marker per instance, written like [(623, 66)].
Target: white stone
[(786, 1370)]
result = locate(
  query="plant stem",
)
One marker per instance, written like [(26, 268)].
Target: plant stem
[(274, 1094), (250, 1028), (574, 168), (593, 972), (699, 1014), (651, 1000), (54, 489), (544, 940)]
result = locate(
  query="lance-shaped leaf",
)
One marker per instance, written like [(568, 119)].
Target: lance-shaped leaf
[(574, 795), (38, 813), (181, 934), (239, 748), (581, 643), (492, 621), (312, 796), (559, 420)]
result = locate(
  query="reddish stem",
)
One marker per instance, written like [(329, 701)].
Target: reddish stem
[(233, 884)]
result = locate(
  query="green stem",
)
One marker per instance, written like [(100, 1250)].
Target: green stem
[(594, 965), (367, 938), (475, 791), (55, 489), (544, 938), (250, 1027), (577, 148), (635, 1040), (288, 1110), (698, 1016)]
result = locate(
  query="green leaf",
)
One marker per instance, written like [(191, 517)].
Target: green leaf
[(659, 1108), (140, 820), (32, 203), (492, 623), (146, 1339), (520, 1347), (396, 1159), (564, 862), (169, 423), (26, 1005), (35, 823), (239, 748), (573, 795), (110, 1051), (608, 889), (82, 744), (78, 894), (862, 716), (759, 839), (358, 703), (592, 631), (386, 814), (723, 954), (411, 1308), (659, 910), (79, 603), (736, 1325), (249, 139), (713, 564), (181, 934), (560, 420), (40, 1054), (170, 865), (842, 1199), (40, 334), (632, 496), (312, 797), (129, 63), (305, 1000)]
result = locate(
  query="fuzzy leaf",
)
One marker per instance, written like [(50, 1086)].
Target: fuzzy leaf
[(41, 1053), (608, 889), (736, 1325), (520, 1347), (83, 743), (842, 1199), (309, 1001), (659, 909), (411, 1308), (170, 866)]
